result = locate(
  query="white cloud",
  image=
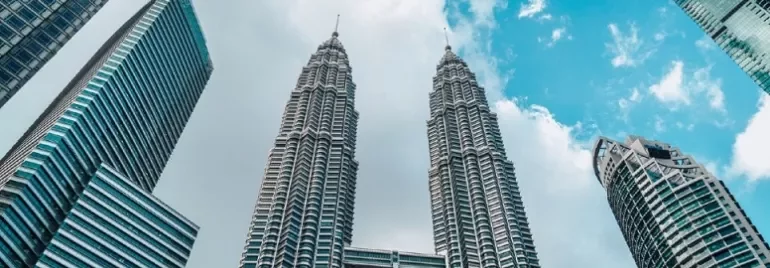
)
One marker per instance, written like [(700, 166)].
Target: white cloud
[(626, 49), (751, 145), (660, 125), (676, 88), (531, 8), (625, 104), (659, 36), (669, 89), (556, 35), (705, 43), (483, 10), (537, 143), (544, 17), (702, 82)]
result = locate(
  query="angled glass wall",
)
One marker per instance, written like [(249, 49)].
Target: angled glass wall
[(32, 31)]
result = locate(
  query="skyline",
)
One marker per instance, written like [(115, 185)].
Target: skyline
[(513, 108)]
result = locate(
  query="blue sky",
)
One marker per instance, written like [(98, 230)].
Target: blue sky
[(574, 76), (558, 74)]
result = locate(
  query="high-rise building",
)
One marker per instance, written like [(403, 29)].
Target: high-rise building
[(376, 258), (114, 223), (32, 31), (672, 211), (125, 109), (738, 27), (304, 212), (478, 214)]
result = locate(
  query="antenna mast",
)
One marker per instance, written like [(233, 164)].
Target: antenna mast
[(336, 26), (446, 36)]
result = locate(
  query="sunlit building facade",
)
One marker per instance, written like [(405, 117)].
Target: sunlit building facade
[(478, 213), (125, 109), (672, 211), (114, 223), (377, 258), (304, 211), (32, 31), (740, 28)]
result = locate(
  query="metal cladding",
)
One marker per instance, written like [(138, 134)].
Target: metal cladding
[(478, 214), (304, 212), (126, 109), (378, 258), (672, 211), (740, 28)]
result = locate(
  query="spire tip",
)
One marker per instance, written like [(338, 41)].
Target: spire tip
[(336, 26), (446, 36)]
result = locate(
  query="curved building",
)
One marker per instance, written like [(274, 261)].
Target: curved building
[(304, 212), (478, 214), (672, 211)]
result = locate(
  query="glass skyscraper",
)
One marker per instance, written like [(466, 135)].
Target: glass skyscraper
[(31, 32), (125, 109), (478, 213), (304, 212), (672, 212), (114, 223), (740, 28)]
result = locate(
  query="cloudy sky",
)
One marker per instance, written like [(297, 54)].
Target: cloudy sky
[(559, 73)]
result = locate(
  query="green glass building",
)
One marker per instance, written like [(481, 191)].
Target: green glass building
[(672, 212), (32, 31), (740, 28), (125, 109), (114, 223)]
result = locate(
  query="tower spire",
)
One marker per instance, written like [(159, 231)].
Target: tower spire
[(336, 26), (446, 36)]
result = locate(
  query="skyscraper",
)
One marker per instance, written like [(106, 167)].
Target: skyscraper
[(114, 223), (739, 27), (31, 32), (304, 212), (125, 109), (478, 214), (672, 211)]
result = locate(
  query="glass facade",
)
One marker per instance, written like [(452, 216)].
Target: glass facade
[(114, 223), (478, 212), (126, 109), (374, 258), (304, 211), (740, 28), (672, 211), (32, 31)]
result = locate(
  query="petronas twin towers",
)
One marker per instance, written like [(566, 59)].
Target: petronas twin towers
[(304, 212)]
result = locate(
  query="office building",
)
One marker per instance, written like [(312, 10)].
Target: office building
[(672, 211), (377, 258), (740, 28), (304, 212), (125, 109), (114, 223), (31, 32), (478, 213)]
